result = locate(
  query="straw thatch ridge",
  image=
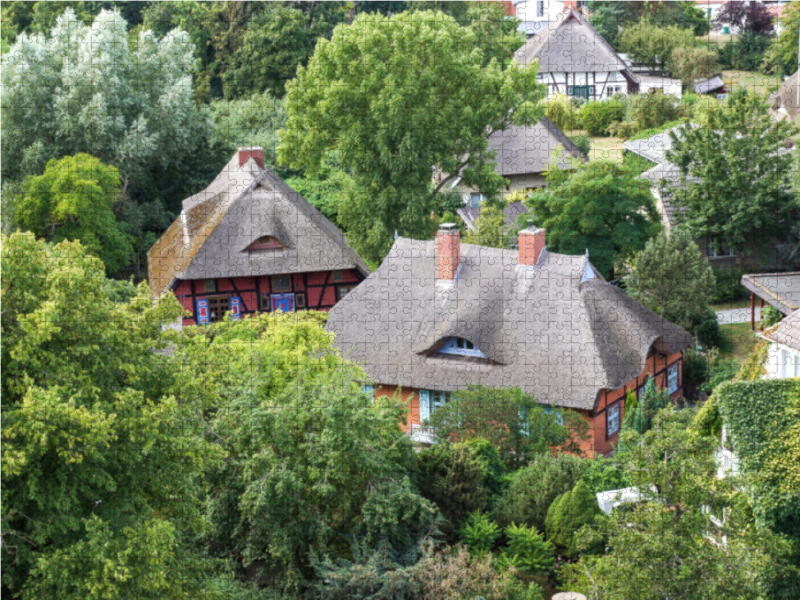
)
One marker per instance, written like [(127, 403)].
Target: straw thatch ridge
[(559, 332)]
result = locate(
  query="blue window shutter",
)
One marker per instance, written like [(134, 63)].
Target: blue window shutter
[(424, 405), (236, 310), (201, 311)]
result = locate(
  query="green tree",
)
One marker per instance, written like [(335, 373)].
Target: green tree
[(640, 415), (650, 111), (610, 17), (286, 408), (479, 533), (273, 45), (691, 63), (533, 489), (600, 207), (514, 422), (652, 45), (527, 551), (101, 446), (73, 200), (568, 513), (671, 277), (452, 477), (781, 57), (328, 187), (368, 92), (598, 115), (562, 112), (491, 229), (738, 149), (657, 547)]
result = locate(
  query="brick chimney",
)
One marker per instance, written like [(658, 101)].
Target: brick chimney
[(448, 251), (256, 153), (531, 244)]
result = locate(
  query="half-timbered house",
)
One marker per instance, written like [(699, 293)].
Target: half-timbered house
[(438, 316), (575, 60), (250, 243)]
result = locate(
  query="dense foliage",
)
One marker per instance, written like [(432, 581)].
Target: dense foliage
[(738, 148), (491, 229), (102, 445), (598, 115), (600, 206), (389, 143), (567, 514), (652, 45)]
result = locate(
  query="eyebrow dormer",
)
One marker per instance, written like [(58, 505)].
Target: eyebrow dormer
[(460, 347), (266, 242)]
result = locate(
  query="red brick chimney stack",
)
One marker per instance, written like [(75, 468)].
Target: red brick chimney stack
[(448, 251), (531, 244), (256, 153)]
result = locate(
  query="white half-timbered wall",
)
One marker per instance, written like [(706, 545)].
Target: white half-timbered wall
[(604, 83)]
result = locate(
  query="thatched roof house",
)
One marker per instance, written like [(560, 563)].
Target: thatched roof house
[(244, 228), (575, 60), (544, 322)]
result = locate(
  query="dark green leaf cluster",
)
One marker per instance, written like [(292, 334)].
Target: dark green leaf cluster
[(598, 115), (567, 514)]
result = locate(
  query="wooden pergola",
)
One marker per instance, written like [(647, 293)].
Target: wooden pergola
[(780, 290)]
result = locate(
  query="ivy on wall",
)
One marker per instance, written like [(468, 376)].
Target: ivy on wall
[(763, 420)]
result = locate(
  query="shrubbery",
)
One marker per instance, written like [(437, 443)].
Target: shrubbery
[(562, 112), (728, 286), (598, 115), (583, 143), (567, 514)]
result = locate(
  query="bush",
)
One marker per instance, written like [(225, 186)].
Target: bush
[(770, 316), (534, 488), (601, 474), (636, 164), (494, 479), (640, 417), (479, 533), (728, 287), (527, 551), (567, 514), (622, 129), (654, 110), (562, 112), (583, 143), (695, 367), (452, 477), (706, 326), (598, 115), (719, 371)]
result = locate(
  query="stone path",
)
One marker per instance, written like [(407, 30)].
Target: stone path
[(737, 315)]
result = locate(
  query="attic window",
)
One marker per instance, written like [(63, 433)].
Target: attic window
[(266, 242), (461, 347)]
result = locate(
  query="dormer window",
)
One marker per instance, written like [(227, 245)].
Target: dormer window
[(266, 242), (461, 347)]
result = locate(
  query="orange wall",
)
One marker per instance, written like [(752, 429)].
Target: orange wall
[(597, 444)]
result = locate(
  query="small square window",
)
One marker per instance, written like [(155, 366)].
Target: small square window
[(209, 285), (474, 200), (300, 300), (264, 302), (612, 423), (281, 283), (342, 291), (338, 276), (217, 307), (672, 379)]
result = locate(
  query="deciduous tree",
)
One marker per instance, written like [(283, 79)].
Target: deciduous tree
[(397, 96), (600, 207), (734, 180), (670, 276), (652, 45)]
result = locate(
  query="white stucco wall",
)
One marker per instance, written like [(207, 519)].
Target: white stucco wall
[(782, 362)]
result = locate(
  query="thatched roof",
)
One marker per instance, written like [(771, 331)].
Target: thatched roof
[(787, 332), (470, 214), (665, 177), (571, 45), (785, 101), (532, 150), (210, 237), (558, 331)]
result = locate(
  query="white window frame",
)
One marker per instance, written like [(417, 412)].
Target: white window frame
[(472, 197), (674, 367), (429, 401), (710, 253), (460, 347), (540, 9), (617, 407)]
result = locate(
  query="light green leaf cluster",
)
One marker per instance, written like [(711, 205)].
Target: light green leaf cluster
[(87, 89)]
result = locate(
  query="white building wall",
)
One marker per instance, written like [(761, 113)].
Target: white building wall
[(782, 362), (536, 14)]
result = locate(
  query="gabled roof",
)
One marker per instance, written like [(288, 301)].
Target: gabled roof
[(780, 290), (571, 45), (655, 147), (470, 214), (532, 150), (664, 177), (210, 237), (707, 85), (558, 331), (787, 332)]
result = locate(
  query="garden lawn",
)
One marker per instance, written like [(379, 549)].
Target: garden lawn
[(742, 303), (738, 341), (603, 148), (752, 80)]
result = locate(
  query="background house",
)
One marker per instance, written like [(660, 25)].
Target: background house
[(438, 315), (524, 154), (575, 60), (786, 101), (783, 355), (249, 243)]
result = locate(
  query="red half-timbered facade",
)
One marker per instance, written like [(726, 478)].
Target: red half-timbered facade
[(249, 243)]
